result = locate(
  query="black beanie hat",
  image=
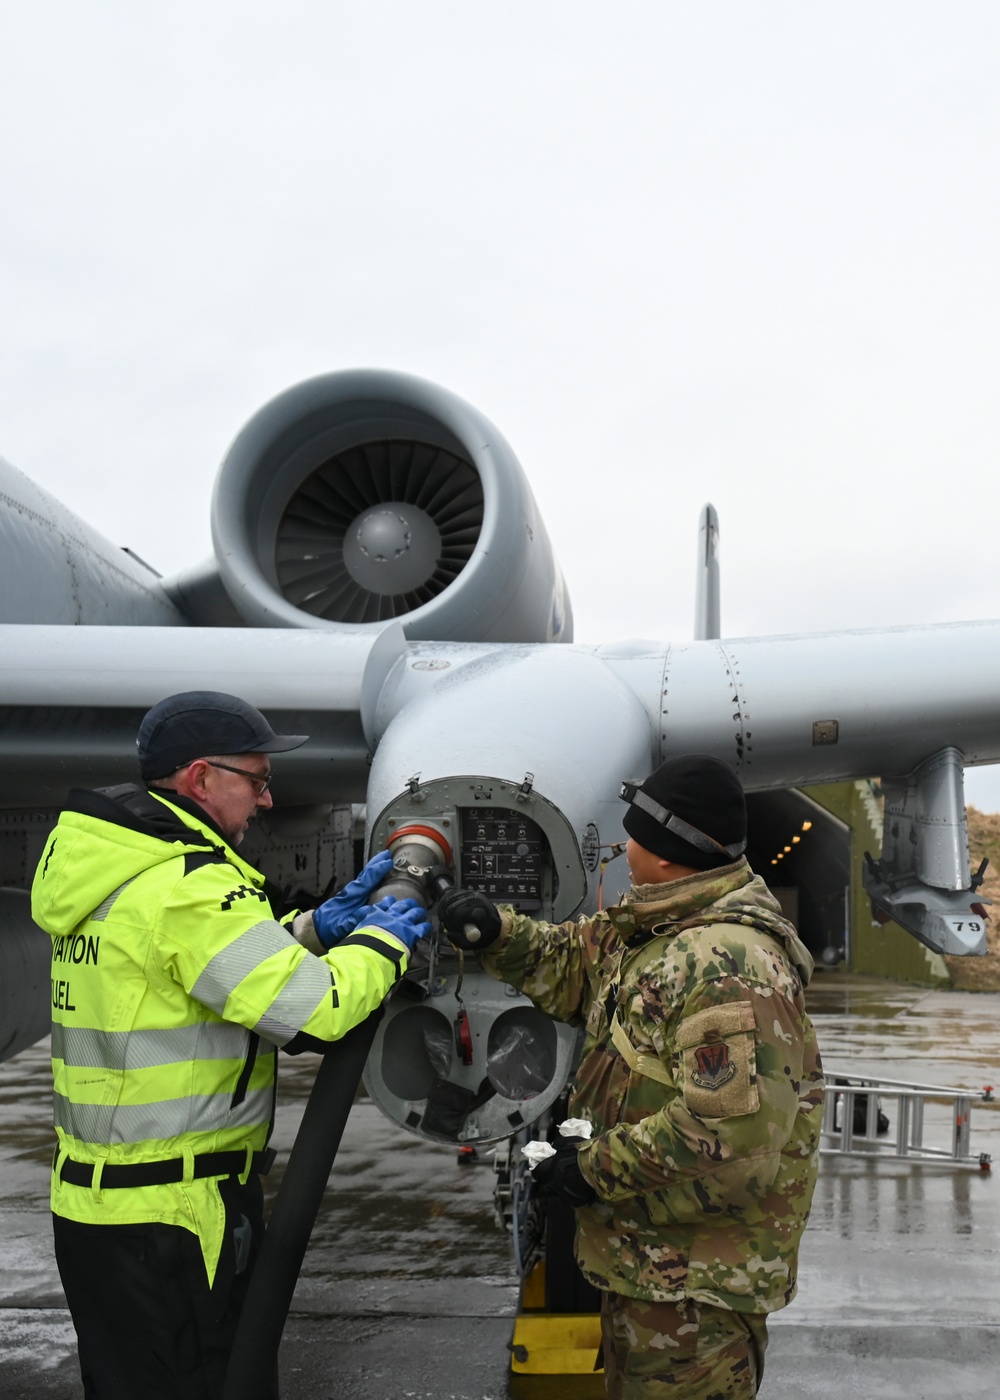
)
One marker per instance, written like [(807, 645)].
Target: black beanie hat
[(704, 794), (197, 723)]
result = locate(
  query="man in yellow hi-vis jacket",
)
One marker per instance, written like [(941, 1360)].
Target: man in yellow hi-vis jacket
[(173, 985)]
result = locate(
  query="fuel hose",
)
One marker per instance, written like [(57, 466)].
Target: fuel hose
[(252, 1362), (250, 1376)]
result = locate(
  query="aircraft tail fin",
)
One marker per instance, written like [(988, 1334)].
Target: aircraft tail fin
[(707, 617)]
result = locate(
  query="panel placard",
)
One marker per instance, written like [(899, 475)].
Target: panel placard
[(502, 856)]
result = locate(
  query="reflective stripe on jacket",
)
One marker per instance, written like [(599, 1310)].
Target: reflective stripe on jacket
[(172, 986)]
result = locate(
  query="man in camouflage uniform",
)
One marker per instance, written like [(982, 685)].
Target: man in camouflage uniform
[(700, 1077)]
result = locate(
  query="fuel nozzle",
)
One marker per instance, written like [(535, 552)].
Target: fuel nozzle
[(440, 880), (421, 869), (417, 851)]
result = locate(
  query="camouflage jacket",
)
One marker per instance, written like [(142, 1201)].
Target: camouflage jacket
[(702, 1079)]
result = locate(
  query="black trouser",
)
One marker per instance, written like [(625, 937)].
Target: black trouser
[(147, 1323)]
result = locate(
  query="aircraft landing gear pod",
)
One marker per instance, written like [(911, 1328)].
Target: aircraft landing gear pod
[(922, 879), (460, 1057)]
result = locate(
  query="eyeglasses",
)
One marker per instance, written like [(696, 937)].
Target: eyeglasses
[(261, 783)]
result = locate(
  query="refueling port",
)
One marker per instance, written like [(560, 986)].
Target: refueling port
[(416, 849), (460, 1057)]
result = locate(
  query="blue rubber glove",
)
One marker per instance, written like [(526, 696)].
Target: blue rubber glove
[(405, 919), (349, 922), (339, 915)]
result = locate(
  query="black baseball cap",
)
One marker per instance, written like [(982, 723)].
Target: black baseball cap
[(198, 723), (691, 810)]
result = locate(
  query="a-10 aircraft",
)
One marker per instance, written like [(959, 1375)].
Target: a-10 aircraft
[(383, 582)]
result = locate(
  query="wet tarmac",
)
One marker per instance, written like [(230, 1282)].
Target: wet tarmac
[(899, 1291), (408, 1289)]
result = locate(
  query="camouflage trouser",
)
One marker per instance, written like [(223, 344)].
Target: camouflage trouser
[(684, 1350)]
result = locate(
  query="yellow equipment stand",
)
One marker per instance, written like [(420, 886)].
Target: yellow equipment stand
[(546, 1346)]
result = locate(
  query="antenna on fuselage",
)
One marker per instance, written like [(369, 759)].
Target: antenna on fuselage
[(707, 623)]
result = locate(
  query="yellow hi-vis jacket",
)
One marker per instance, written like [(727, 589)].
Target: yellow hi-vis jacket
[(172, 984)]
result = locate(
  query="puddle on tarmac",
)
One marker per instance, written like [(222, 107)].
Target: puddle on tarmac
[(907, 1032), (397, 1206), (893, 1239)]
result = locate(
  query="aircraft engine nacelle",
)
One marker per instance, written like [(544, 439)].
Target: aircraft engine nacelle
[(359, 498)]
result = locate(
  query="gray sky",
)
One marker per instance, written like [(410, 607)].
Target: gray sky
[(678, 252)]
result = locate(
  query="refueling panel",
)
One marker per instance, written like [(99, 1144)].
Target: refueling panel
[(460, 1057), (505, 856)]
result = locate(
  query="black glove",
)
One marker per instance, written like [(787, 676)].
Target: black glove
[(560, 1176), (456, 908)]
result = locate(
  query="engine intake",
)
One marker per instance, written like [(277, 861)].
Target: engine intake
[(378, 531)]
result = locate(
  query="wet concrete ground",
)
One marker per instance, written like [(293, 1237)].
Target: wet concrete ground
[(899, 1294), (408, 1290)]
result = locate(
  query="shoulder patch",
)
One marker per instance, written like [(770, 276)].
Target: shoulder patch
[(713, 1065), (243, 892)]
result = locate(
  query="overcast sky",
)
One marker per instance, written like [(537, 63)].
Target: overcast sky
[(677, 252)]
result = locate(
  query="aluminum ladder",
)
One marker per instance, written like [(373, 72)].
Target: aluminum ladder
[(842, 1092)]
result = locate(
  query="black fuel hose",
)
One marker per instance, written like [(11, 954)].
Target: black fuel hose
[(255, 1349)]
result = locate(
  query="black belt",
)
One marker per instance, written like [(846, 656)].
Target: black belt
[(169, 1169)]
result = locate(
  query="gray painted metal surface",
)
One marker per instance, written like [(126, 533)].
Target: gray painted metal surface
[(560, 715), (921, 810), (922, 878), (25, 964), (507, 586), (55, 568), (759, 704), (707, 592), (400, 1074), (73, 698), (524, 1056), (134, 666), (788, 711)]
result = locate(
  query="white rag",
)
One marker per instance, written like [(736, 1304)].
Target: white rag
[(537, 1151), (576, 1128)]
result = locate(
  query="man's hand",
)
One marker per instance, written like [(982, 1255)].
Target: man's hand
[(560, 1176), (339, 915), (405, 919), (456, 908)]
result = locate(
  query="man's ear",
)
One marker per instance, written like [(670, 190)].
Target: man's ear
[(192, 781)]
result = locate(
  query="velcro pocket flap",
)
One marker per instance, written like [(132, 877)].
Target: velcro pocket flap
[(715, 1023)]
